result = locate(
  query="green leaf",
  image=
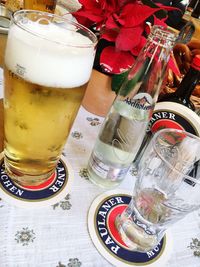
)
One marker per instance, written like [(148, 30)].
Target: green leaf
[(117, 81), (128, 84)]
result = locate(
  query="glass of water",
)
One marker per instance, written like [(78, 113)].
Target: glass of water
[(167, 188)]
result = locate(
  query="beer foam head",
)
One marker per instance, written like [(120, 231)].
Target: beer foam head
[(49, 55)]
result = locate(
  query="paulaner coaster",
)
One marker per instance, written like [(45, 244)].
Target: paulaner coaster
[(45, 194), (101, 225)]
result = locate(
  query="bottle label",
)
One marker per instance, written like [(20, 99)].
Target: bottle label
[(195, 66), (106, 171), (141, 101)]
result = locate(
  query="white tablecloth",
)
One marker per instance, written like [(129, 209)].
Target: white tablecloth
[(57, 236)]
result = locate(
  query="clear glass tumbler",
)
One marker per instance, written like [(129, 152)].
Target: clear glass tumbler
[(167, 188), (48, 62)]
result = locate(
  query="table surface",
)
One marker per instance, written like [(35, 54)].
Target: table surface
[(57, 236)]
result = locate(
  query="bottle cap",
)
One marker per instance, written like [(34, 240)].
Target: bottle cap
[(196, 62)]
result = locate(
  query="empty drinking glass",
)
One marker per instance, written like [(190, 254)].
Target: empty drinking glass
[(167, 188)]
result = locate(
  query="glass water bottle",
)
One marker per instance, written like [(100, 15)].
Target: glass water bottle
[(125, 125)]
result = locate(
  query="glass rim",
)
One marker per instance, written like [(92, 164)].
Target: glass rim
[(185, 176), (90, 34)]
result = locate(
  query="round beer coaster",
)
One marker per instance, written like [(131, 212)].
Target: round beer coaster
[(101, 226), (48, 193)]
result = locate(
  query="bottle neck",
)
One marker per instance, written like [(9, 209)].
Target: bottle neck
[(196, 10), (148, 71), (192, 3), (188, 84)]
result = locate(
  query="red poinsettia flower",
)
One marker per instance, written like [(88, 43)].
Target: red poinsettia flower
[(116, 61), (122, 22)]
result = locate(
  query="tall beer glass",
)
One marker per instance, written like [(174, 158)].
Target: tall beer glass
[(42, 5), (48, 62)]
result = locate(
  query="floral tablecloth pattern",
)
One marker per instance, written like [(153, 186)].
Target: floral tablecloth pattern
[(57, 236)]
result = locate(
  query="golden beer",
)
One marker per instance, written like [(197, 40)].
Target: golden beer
[(44, 85), (43, 5)]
